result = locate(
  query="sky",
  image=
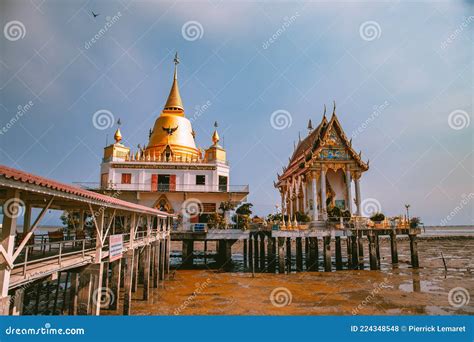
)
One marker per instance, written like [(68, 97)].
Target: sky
[(401, 74)]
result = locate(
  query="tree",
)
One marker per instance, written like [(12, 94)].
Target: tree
[(242, 217)]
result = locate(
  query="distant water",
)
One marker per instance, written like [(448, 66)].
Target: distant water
[(433, 231)]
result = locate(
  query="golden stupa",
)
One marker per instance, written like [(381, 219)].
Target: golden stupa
[(172, 136)]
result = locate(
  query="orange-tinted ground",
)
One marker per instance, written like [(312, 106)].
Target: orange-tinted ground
[(390, 291)]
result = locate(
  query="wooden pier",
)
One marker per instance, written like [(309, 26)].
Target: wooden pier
[(92, 270), (272, 250)]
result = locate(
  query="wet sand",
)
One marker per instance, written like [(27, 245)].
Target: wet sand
[(390, 291)]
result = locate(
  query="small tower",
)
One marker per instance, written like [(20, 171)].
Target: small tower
[(216, 152), (116, 151)]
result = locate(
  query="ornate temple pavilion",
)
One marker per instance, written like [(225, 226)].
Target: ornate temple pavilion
[(171, 173), (320, 173)]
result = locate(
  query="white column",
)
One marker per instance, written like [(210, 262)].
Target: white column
[(348, 190), (323, 194), (357, 193), (314, 197)]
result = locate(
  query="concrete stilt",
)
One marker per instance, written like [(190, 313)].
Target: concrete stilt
[(245, 256), (414, 251), (256, 253), (281, 255), (262, 253), (393, 247), (136, 262), (156, 265), (299, 254), (354, 252), (377, 248), (360, 245), (251, 258), (115, 284), (73, 294), (338, 253), (188, 250), (127, 280), (372, 251), (312, 261), (349, 252), (97, 271), (327, 253), (271, 262), (146, 272), (162, 260), (288, 255), (84, 293), (17, 303)]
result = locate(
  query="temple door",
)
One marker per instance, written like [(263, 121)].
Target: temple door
[(172, 182), (154, 182)]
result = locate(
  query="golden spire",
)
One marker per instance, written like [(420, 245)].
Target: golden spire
[(174, 102), (215, 135), (118, 134)]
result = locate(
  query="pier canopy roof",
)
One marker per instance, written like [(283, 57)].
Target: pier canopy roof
[(37, 187)]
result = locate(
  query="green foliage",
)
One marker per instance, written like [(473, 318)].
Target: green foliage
[(216, 220), (302, 217), (242, 218), (245, 209), (415, 222), (335, 214), (377, 217)]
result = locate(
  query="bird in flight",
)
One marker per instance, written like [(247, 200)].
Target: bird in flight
[(94, 14)]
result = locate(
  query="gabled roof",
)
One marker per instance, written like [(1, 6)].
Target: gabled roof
[(68, 191), (314, 142)]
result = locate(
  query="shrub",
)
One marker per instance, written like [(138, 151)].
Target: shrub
[(377, 217)]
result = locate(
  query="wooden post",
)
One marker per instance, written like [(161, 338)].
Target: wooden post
[(146, 272), (245, 252), (349, 252), (327, 253), (127, 280), (7, 241), (115, 284), (338, 253), (84, 293), (360, 244), (299, 254), (372, 251), (163, 262), (262, 252), (17, 309), (271, 254), (354, 252), (136, 262), (256, 254), (393, 247), (73, 294), (414, 251), (251, 258), (312, 260), (168, 255), (288, 254), (377, 248), (156, 265), (188, 250), (281, 255)]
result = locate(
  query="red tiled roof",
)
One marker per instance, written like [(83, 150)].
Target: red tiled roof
[(25, 177)]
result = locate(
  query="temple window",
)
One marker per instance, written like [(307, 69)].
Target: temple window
[(200, 180), (126, 178)]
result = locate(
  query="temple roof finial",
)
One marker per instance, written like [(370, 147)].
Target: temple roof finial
[(215, 135), (334, 108), (310, 125), (324, 114), (174, 102), (118, 134)]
